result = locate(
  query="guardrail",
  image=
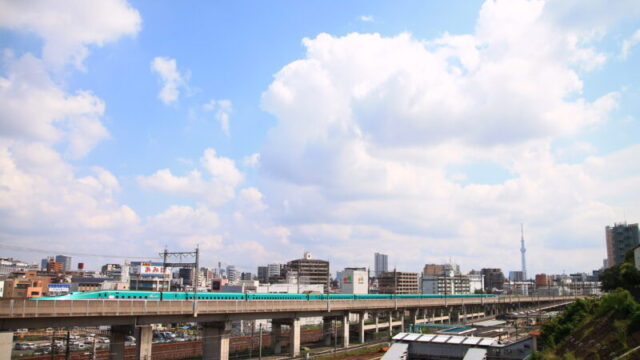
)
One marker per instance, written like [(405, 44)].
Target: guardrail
[(19, 308)]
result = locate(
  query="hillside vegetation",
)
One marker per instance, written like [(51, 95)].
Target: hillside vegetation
[(603, 328)]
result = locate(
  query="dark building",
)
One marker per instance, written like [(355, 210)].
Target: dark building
[(493, 279), (620, 239), (396, 282), (310, 271), (246, 276), (186, 274), (263, 274)]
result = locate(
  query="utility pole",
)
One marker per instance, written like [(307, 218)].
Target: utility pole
[(67, 353), (253, 324), (260, 344)]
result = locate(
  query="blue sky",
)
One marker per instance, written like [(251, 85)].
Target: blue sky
[(258, 130)]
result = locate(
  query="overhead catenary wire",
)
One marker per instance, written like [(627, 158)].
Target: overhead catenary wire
[(49, 251)]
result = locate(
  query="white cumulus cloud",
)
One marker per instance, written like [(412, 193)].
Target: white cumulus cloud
[(71, 26), (370, 165), (223, 109), (172, 80)]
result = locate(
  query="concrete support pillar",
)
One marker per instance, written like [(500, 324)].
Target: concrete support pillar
[(402, 319), (118, 336), (215, 340), (294, 337), (345, 330), (361, 327), (326, 331), (144, 335), (464, 314), (6, 344), (276, 333), (377, 319), (390, 324)]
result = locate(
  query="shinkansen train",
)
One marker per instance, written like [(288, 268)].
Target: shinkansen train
[(168, 295)]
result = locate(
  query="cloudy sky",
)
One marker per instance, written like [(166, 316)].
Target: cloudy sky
[(257, 130)]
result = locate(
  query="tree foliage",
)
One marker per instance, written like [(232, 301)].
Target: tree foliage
[(625, 276)]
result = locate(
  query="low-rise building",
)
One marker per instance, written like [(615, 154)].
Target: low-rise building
[(397, 282), (354, 281)]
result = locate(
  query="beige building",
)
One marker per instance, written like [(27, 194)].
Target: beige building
[(396, 282), (310, 271)]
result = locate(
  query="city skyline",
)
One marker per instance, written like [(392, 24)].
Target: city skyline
[(423, 131)]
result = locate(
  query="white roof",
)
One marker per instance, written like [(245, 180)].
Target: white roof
[(412, 337), (440, 338), (397, 351), (487, 341), (488, 323), (472, 340), (475, 354), (400, 336), (456, 340), (426, 338)]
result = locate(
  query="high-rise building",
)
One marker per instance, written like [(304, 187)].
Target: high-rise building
[(396, 282), (263, 274), (380, 263), (620, 239), (187, 276), (233, 275), (65, 260), (310, 271), (274, 270), (493, 279)]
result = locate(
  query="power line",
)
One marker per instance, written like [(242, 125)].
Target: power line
[(48, 251)]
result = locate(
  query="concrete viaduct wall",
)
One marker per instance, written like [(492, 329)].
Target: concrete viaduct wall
[(135, 316)]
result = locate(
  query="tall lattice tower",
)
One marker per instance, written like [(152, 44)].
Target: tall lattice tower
[(523, 251)]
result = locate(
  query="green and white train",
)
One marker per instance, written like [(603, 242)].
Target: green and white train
[(170, 295)]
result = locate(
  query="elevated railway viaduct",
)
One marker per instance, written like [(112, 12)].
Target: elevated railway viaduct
[(215, 317)]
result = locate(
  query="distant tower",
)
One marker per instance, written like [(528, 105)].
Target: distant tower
[(523, 251)]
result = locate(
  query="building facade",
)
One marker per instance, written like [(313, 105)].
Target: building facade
[(396, 282), (310, 271), (65, 261), (493, 279), (620, 239), (354, 281), (445, 285)]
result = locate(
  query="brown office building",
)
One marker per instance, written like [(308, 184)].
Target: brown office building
[(396, 282), (310, 271)]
